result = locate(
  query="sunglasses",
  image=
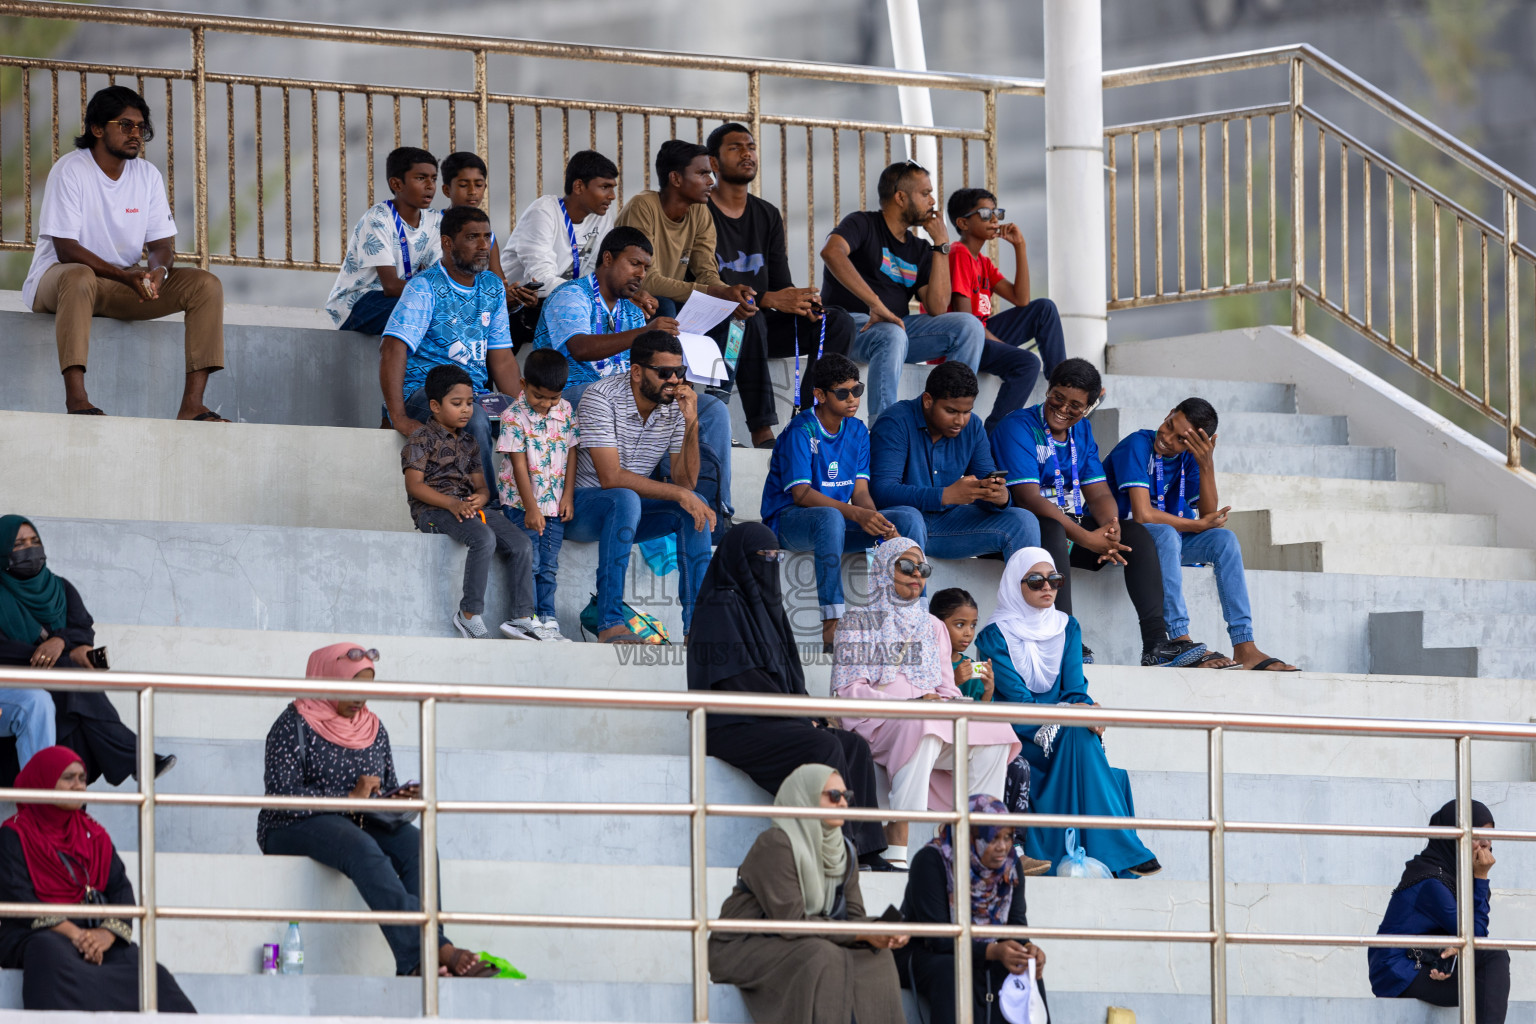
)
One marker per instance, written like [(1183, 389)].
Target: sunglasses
[(1034, 581), (358, 654), (987, 213), (773, 554), (665, 372), (837, 796), (911, 568), (140, 128), (843, 394)]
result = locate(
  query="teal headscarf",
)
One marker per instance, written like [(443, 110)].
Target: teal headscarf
[(27, 607)]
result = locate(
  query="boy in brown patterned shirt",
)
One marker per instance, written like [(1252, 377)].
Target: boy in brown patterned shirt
[(446, 489)]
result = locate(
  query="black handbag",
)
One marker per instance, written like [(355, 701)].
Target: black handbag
[(93, 896)]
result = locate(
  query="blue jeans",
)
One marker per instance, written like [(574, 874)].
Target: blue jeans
[(417, 408), (826, 532), (28, 716), (617, 518), (546, 558), (965, 531), (1038, 320), (371, 314), (1218, 548), (885, 347), (714, 430)]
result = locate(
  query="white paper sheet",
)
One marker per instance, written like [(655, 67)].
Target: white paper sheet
[(705, 363), (702, 313)]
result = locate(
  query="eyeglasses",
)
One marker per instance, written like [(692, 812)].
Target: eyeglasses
[(139, 128), (665, 372), (987, 213), (1072, 408), (1034, 581), (773, 554), (911, 568), (837, 796), (843, 394), (358, 654)]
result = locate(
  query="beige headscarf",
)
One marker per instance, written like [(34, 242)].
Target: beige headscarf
[(821, 856)]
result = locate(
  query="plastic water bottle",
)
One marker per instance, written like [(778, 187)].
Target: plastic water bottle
[(293, 950)]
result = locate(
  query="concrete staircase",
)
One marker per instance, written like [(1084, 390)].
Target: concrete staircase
[(239, 548)]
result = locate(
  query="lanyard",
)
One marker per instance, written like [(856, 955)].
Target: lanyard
[(570, 234), (1157, 470), (597, 299), (405, 247), (821, 346), (1074, 503)]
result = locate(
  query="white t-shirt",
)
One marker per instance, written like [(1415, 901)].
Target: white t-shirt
[(375, 243), (113, 219), (539, 249)]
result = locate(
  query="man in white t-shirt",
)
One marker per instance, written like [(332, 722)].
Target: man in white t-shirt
[(103, 207)]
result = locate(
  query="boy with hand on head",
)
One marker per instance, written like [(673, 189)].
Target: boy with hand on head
[(974, 278), (1165, 479), (816, 497), (465, 182), (393, 241), (1054, 472), (537, 479), (447, 493)]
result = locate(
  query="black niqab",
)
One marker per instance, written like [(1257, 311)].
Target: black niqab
[(739, 624), (1438, 858)]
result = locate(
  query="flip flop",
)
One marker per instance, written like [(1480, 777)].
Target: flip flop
[(1213, 656), (92, 411), (1263, 666), (209, 416)]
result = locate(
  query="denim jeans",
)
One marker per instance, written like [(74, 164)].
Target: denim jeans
[(495, 536), (418, 409), (617, 518), (384, 863), (714, 430), (1217, 548), (546, 558), (885, 347), (826, 532), (1038, 320), (371, 314), (28, 716), (965, 531)]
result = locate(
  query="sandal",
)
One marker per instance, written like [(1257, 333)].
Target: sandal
[(88, 411), (1263, 666), (1215, 656), (209, 416)]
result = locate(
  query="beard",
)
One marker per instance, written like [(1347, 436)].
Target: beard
[(473, 265), (656, 394), (738, 179), (122, 153), (913, 214)]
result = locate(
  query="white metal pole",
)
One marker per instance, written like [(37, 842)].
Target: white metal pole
[(1074, 173), (916, 102)]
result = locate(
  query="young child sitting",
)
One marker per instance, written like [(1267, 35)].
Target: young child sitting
[(394, 240), (445, 487), (465, 181), (537, 479), (957, 609)]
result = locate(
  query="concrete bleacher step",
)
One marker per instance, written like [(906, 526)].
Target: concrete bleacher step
[(1236, 428), (1454, 643), (1434, 545)]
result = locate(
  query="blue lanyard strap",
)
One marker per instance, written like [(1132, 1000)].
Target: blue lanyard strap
[(1157, 470), (597, 300), (570, 234), (405, 247), (1074, 503), (821, 346)]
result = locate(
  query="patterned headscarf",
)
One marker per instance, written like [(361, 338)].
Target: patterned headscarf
[(889, 632), (991, 891)]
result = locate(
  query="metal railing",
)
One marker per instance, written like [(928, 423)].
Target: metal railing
[(1478, 360), (697, 705), (340, 168)]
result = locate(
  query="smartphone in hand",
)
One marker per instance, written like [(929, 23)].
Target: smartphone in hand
[(399, 789)]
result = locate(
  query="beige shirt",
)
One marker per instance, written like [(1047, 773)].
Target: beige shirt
[(681, 246)]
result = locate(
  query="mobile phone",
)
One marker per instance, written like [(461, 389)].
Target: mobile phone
[(892, 913), (997, 474), (403, 786), (96, 657), (533, 286)]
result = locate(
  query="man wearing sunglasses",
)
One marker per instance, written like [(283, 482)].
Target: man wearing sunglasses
[(102, 207), (628, 422), (876, 264)]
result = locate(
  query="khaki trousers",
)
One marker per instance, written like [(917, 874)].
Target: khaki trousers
[(74, 293)]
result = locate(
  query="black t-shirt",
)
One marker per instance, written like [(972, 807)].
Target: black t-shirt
[(750, 249), (893, 268)]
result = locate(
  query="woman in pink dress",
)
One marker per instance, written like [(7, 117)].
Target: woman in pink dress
[(894, 650)]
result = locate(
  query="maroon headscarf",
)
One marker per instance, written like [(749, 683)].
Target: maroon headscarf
[(46, 831)]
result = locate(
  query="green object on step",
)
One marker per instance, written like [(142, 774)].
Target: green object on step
[(503, 967)]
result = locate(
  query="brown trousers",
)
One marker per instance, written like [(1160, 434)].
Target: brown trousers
[(74, 293)]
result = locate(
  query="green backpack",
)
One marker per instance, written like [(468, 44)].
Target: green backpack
[(647, 627)]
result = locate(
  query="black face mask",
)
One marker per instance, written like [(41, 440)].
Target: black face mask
[(27, 562)]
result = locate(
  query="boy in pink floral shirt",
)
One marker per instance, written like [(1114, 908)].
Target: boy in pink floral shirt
[(537, 479)]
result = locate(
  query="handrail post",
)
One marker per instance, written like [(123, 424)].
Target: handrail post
[(1512, 322), (755, 122), (1216, 770), (482, 107), (965, 1000), (429, 881), (149, 979), (698, 860), (200, 145), (1298, 204), (989, 125), (1466, 921)]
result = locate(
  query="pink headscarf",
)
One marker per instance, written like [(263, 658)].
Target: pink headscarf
[(355, 733)]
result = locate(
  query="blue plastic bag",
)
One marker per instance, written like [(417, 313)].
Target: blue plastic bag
[(1077, 863)]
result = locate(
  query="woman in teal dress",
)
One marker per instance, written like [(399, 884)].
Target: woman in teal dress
[(1037, 658)]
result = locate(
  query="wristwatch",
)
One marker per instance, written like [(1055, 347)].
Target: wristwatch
[(942, 250)]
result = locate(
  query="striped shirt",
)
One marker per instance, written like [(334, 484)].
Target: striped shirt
[(610, 419)]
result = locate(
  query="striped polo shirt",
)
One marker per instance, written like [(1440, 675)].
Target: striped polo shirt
[(609, 419)]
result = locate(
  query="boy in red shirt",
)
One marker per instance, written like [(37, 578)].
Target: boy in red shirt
[(974, 279)]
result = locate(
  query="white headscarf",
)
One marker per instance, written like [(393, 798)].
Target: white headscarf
[(889, 633), (1036, 636)]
